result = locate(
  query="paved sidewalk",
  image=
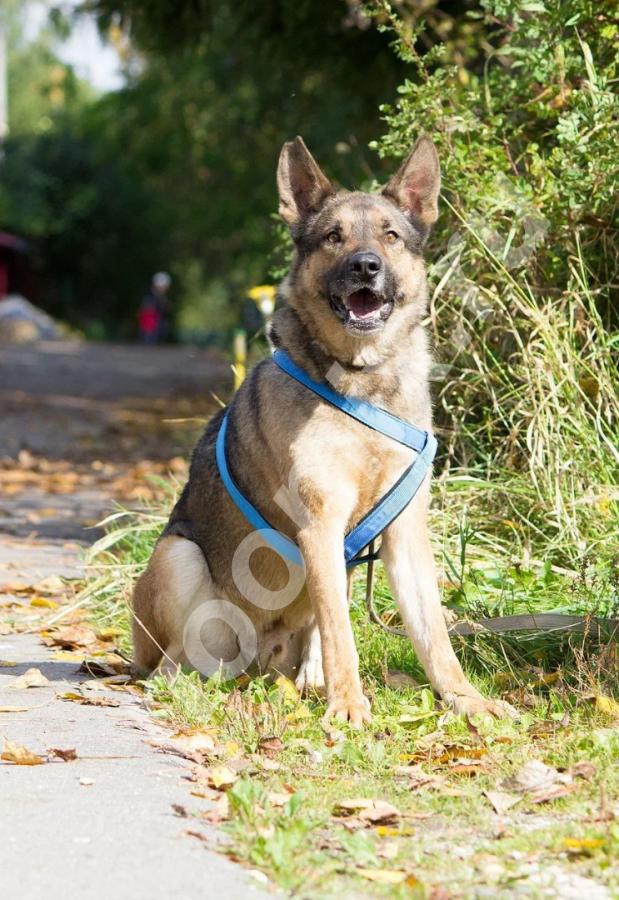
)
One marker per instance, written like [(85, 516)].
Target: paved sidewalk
[(117, 837)]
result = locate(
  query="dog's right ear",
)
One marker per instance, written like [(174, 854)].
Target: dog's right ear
[(303, 187)]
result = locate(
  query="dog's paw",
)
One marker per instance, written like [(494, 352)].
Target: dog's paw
[(472, 704), (310, 677), (353, 708)]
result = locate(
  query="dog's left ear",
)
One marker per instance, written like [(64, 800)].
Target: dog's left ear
[(303, 187), (415, 186)]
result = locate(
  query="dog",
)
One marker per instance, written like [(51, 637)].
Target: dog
[(215, 593)]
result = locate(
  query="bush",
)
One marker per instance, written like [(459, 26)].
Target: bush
[(521, 309)]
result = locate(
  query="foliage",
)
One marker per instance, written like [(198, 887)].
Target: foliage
[(522, 313)]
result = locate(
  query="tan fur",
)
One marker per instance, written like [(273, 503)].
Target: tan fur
[(313, 471)]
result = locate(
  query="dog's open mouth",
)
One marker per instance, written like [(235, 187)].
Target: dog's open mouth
[(362, 310)]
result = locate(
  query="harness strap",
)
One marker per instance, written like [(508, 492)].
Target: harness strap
[(388, 507), (372, 416)]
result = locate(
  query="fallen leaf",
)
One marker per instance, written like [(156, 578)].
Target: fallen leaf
[(70, 638), (20, 756), (222, 777), (53, 584), (583, 845), (190, 832), (180, 811), (14, 709), (5, 664), (67, 656), (552, 793), (65, 755), (288, 689), (44, 603), (583, 769), (32, 678), (534, 776), (271, 746), (198, 740), (220, 812), (385, 876), (400, 681), (86, 782), (376, 811), (607, 705), (91, 700), (390, 831), (501, 801)]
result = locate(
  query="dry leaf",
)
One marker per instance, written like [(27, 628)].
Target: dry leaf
[(5, 664), (583, 769), (501, 801), (32, 678), (376, 811), (400, 681), (65, 755), (180, 811), (198, 740), (20, 756), (71, 637), (53, 584), (86, 782), (271, 746), (552, 793), (14, 709), (534, 776), (90, 700), (386, 876)]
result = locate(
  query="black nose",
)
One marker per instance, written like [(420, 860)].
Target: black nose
[(365, 264)]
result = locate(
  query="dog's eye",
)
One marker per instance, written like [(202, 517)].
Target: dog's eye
[(333, 237), (391, 236)]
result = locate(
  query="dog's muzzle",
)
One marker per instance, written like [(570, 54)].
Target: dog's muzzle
[(359, 293)]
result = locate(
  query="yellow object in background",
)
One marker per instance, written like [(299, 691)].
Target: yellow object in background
[(263, 296), (240, 357)]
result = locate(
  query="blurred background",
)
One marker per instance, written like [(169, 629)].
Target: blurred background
[(139, 140)]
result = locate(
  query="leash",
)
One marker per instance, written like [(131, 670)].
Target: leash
[(558, 622), (388, 507)]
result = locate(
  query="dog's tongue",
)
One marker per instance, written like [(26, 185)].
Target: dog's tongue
[(362, 303)]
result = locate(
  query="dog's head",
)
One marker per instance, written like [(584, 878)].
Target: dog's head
[(358, 271)]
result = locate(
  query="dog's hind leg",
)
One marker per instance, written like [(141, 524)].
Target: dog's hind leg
[(175, 580)]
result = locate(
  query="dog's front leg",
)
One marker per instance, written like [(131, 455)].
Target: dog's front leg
[(407, 555), (322, 549)]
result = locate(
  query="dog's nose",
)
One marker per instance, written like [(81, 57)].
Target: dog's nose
[(365, 264)]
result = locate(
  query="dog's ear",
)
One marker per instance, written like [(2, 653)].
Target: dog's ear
[(415, 186), (303, 187)]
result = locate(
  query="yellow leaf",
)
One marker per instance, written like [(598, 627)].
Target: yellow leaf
[(578, 845), (20, 756), (44, 603), (384, 876), (5, 664), (106, 634), (200, 740), (222, 777), (288, 689), (67, 656), (607, 705), (390, 831)]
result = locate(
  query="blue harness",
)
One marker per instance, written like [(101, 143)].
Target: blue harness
[(388, 507)]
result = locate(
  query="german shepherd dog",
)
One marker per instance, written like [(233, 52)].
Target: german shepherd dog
[(215, 594)]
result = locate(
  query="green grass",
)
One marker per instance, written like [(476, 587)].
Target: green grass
[(448, 835), (525, 518)]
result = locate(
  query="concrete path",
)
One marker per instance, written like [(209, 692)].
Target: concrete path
[(77, 422), (117, 837)]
